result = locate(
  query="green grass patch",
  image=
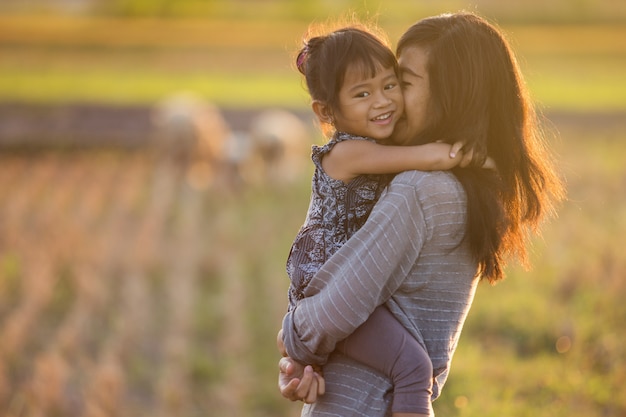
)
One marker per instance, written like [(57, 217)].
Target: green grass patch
[(554, 89), (147, 87), (577, 81), (113, 60), (572, 92)]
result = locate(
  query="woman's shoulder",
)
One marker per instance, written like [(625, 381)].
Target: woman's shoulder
[(421, 178), (429, 185)]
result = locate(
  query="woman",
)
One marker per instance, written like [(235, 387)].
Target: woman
[(433, 235)]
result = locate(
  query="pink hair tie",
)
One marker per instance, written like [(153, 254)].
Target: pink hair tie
[(302, 58)]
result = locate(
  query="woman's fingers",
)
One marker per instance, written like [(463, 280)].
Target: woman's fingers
[(298, 383), (321, 384), (307, 389), (280, 344), (289, 390), (288, 378), (287, 366)]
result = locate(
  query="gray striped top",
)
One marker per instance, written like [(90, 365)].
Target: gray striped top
[(410, 254)]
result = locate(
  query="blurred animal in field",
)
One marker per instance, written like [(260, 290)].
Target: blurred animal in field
[(194, 134), (278, 147), (189, 128)]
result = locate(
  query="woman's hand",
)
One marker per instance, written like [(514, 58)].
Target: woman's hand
[(296, 381)]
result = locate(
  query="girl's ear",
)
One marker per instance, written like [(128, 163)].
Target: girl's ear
[(322, 111)]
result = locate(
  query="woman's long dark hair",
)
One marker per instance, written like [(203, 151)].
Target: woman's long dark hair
[(478, 96)]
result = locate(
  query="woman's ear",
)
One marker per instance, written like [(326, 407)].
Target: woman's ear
[(322, 111)]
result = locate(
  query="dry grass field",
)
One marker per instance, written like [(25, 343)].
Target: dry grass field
[(125, 291)]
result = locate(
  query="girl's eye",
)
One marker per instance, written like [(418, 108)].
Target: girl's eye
[(390, 86), (362, 94)]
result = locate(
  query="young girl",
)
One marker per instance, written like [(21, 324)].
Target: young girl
[(352, 78)]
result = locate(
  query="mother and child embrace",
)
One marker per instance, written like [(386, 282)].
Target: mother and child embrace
[(434, 177)]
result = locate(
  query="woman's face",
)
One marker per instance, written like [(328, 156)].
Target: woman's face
[(416, 91)]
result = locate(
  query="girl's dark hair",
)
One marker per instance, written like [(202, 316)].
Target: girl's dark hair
[(324, 59), (478, 96)]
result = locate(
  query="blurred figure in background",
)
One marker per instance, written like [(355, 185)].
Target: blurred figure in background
[(194, 134)]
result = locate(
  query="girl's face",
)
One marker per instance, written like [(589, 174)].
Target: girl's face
[(416, 90), (369, 106)]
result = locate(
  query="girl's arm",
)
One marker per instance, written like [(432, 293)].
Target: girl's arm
[(351, 158)]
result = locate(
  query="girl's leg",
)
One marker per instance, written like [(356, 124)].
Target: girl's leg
[(382, 343)]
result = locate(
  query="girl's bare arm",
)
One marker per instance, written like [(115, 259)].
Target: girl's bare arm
[(352, 158)]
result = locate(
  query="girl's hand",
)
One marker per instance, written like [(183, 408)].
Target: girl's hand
[(490, 164), (441, 156), (467, 156), (458, 147)]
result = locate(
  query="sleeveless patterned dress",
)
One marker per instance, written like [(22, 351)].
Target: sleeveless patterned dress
[(336, 211)]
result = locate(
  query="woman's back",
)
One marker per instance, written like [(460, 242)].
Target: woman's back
[(437, 293)]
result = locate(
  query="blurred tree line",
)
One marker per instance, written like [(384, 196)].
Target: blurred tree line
[(536, 11)]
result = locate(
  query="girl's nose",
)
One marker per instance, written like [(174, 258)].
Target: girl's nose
[(382, 99)]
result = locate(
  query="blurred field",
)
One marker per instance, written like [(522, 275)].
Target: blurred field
[(127, 290), (249, 63)]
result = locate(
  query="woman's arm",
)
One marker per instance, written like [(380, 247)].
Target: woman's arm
[(351, 158), (363, 274)]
